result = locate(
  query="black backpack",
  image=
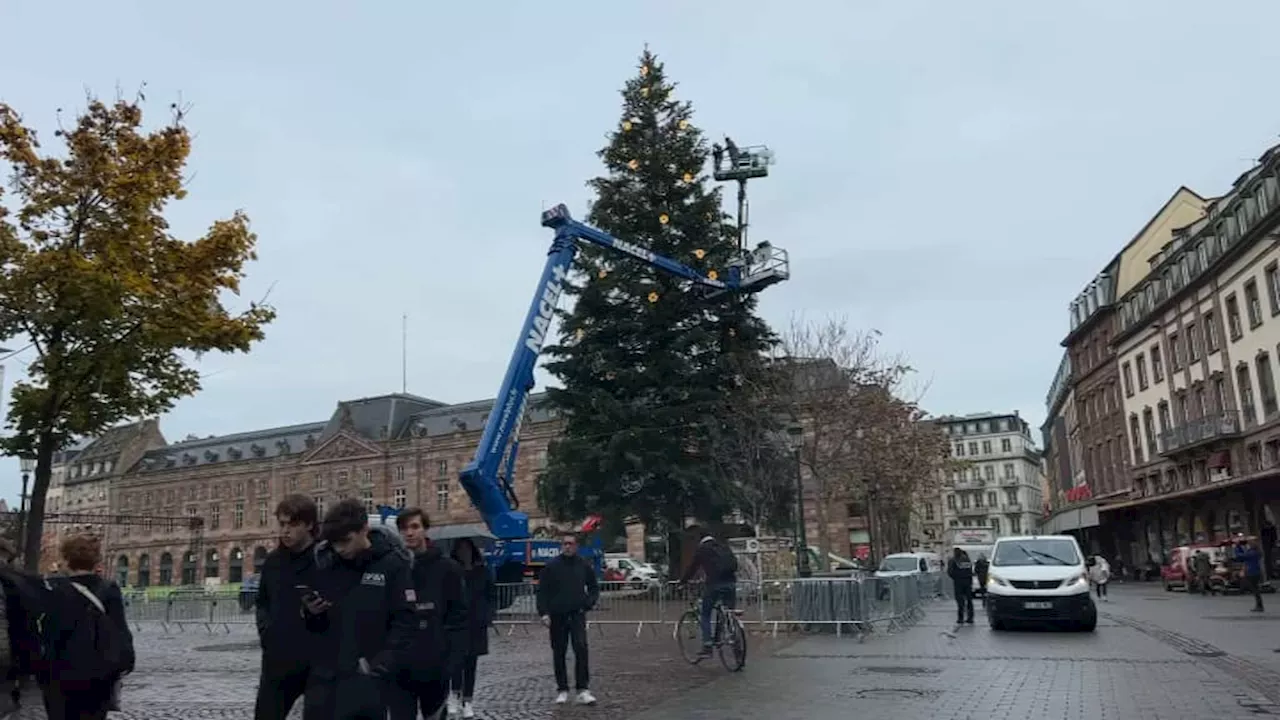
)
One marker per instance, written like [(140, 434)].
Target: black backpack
[(79, 642), (726, 561)]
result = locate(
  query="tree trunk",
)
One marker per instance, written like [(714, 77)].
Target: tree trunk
[(33, 529)]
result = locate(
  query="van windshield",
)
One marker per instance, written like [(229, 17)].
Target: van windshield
[(900, 564), (1035, 551)]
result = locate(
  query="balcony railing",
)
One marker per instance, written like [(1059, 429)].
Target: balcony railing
[(1012, 509), (972, 511), (1214, 426)]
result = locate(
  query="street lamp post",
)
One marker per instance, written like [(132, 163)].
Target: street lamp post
[(27, 464), (795, 441)]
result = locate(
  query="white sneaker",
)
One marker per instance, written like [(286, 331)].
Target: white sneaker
[(586, 698), (452, 705), (562, 698), (467, 710)]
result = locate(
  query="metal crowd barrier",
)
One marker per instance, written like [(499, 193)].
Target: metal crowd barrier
[(860, 605)]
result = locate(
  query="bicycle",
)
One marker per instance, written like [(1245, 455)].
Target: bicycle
[(728, 634)]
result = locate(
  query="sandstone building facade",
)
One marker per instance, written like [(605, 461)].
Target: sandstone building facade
[(204, 507)]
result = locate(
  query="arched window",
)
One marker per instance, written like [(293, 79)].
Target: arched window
[(144, 570), (122, 570), (235, 566), (189, 568), (166, 569), (211, 567)]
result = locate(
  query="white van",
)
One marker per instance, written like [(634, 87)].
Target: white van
[(908, 563), (1040, 578), (634, 572)]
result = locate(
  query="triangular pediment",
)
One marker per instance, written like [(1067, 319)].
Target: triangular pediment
[(340, 447)]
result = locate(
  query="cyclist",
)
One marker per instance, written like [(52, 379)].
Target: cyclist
[(720, 573)]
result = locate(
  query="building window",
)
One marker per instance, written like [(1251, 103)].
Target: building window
[(991, 498), (1135, 439), (1149, 427), (1272, 274), (1175, 351), (989, 472), (951, 502), (995, 526), (366, 477), (928, 511), (1220, 393), (977, 500), (1157, 364), (1008, 470), (1211, 343), (1193, 343), (1140, 363), (442, 496), (366, 497), (1233, 317), (399, 475), (293, 484), (262, 513), (319, 501), (959, 450), (1252, 303), (1015, 524), (442, 469), (1127, 371), (1011, 497), (342, 478), (1245, 387), (986, 447), (215, 516), (1266, 385), (237, 517), (399, 498), (973, 448), (964, 501), (260, 488), (1006, 445)]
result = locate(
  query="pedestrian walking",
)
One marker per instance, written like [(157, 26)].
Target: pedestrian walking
[(1203, 571), (567, 591), (1247, 553), (1099, 576), (440, 624), (719, 567), (982, 568), (360, 609), (481, 598), (282, 633), (86, 642), (960, 570)]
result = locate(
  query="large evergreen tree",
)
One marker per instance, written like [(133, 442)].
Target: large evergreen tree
[(654, 374)]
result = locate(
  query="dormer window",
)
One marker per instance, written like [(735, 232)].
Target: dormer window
[(283, 446), (210, 456), (234, 453), (188, 459), (311, 441), (257, 450)]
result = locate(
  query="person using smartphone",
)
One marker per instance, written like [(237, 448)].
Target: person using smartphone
[(359, 609), (286, 574)]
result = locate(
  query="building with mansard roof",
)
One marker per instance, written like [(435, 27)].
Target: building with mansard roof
[(397, 449)]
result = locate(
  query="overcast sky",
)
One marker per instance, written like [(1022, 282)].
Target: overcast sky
[(949, 173)]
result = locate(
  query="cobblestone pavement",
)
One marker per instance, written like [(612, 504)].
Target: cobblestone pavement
[(197, 674), (937, 671)]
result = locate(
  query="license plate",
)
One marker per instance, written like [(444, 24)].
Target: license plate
[(1038, 605)]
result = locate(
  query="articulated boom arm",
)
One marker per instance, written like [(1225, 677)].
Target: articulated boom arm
[(484, 479)]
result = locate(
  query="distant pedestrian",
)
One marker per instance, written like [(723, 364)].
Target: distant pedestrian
[(282, 634), (481, 598), (87, 644), (1247, 552), (1099, 575), (360, 609), (1202, 571), (981, 568), (960, 570), (567, 591), (440, 615)]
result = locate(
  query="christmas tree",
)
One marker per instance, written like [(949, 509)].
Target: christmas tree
[(654, 374)]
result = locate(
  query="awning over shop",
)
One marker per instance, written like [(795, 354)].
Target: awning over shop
[(1070, 519)]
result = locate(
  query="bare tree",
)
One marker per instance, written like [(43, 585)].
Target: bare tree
[(863, 440)]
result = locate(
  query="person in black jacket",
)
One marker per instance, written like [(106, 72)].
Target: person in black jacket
[(282, 633), (567, 590), (440, 614), (93, 699), (481, 597), (720, 573), (960, 570), (360, 609)]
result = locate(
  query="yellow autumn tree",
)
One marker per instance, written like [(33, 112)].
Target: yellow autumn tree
[(94, 281)]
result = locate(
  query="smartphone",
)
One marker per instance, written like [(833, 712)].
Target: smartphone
[(308, 594)]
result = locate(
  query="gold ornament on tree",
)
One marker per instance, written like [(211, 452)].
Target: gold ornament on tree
[(626, 126), (644, 92), (653, 297), (634, 164), (713, 274), (684, 124), (602, 274), (579, 334), (664, 218), (644, 70), (688, 177)]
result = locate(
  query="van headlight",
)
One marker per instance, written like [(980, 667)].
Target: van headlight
[(993, 579), (1081, 579)]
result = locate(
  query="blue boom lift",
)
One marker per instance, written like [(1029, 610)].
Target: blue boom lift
[(487, 479)]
